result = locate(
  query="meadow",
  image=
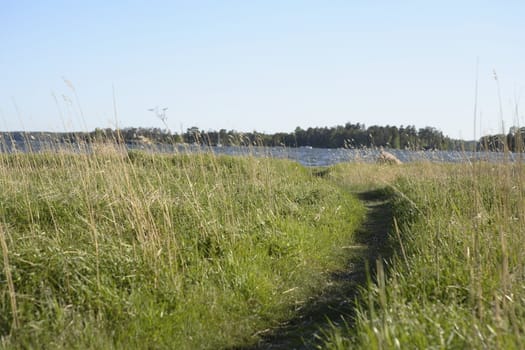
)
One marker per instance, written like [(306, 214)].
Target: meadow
[(114, 249), (111, 249), (456, 279)]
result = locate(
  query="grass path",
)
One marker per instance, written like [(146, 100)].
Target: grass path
[(306, 330)]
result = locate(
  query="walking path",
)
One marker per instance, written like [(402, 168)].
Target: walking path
[(306, 330)]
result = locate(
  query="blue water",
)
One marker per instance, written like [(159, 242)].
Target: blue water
[(304, 155), (329, 156), (325, 156)]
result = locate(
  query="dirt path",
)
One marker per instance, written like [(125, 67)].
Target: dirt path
[(306, 330)]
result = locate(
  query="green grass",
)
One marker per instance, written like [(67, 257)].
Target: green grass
[(457, 280), (133, 250)]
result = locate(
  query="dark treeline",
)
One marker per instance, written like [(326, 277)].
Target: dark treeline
[(347, 136), (513, 141)]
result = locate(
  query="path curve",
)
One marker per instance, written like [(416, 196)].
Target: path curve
[(305, 331)]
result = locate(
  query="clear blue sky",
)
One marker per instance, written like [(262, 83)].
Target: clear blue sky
[(267, 65)]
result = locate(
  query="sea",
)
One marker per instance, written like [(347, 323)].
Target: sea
[(307, 156)]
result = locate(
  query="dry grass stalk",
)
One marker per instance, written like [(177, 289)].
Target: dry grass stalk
[(10, 285)]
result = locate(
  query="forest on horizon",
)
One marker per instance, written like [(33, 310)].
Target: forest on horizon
[(347, 136)]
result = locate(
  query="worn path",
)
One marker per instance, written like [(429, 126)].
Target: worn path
[(306, 330)]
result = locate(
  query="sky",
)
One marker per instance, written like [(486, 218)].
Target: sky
[(265, 65)]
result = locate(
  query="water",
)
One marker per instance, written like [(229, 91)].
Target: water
[(304, 155), (326, 157)]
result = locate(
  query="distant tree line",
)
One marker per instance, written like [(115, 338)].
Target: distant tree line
[(513, 141), (347, 136)]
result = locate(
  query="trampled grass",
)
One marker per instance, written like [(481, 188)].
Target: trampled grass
[(132, 250), (457, 280), (110, 249)]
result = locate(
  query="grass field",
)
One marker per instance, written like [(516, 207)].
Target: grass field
[(457, 280), (132, 250), (119, 249)]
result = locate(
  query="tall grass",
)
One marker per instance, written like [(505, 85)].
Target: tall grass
[(116, 249), (460, 283)]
